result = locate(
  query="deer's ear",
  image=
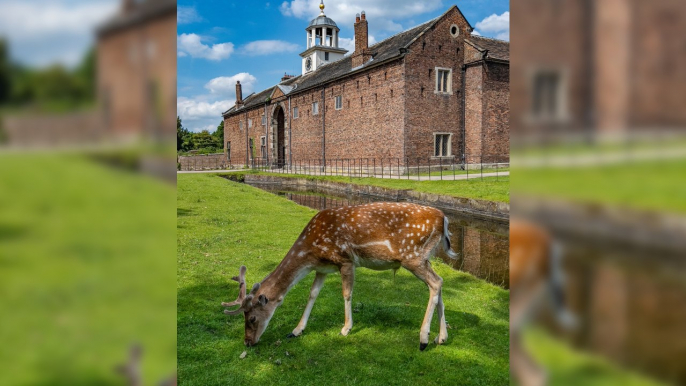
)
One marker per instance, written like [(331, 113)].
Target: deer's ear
[(262, 300)]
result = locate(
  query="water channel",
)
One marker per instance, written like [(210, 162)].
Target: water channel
[(483, 245)]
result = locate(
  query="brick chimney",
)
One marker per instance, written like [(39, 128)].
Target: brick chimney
[(286, 77), (361, 54), (239, 94)]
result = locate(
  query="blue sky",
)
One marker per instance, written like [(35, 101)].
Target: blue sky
[(256, 42)]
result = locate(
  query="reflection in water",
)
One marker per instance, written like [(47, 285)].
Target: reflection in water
[(632, 306), (483, 245)]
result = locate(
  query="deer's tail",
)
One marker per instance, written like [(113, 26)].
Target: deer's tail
[(446, 240)]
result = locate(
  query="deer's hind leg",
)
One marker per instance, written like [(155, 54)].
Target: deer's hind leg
[(420, 266)]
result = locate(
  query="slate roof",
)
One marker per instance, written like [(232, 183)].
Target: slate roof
[(388, 49), (323, 21), (142, 12), (497, 49)]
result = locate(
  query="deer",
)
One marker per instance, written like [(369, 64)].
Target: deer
[(378, 236), (535, 274)]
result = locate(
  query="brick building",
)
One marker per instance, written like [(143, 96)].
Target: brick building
[(432, 92), (136, 56), (597, 67)]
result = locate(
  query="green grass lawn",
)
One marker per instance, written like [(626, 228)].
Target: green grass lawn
[(222, 225), (648, 185), (488, 188), (86, 269), (568, 367)]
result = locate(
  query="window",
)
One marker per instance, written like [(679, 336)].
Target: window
[(547, 98), (240, 125), (339, 102), (444, 80), (263, 146), (264, 120), (441, 145), (454, 30), (326, 56), (315, 108), (249, 123), (252, 149), (228, 150), (295, 112)]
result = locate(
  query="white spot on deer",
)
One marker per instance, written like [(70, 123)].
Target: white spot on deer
[(407, 225), (403, 241), (423, 227)]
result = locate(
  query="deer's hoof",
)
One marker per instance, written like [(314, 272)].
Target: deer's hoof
[(422, 346), (292, 335)]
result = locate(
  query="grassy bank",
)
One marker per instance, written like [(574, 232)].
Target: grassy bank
[(222, 224), (649, 185), (86, 268), (569, 367), (488, 188)]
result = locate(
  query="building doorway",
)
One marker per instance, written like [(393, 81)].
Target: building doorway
[(280, 138)]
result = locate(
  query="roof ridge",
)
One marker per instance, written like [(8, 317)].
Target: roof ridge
[(488, 38), (404, 31)]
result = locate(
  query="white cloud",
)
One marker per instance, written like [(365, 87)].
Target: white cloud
[(192, 45), (42, 32), (497, 26), (187, 15), (204, 112), (267, 47), (226, 85), (349, 44), (380, 13), (198, 114)]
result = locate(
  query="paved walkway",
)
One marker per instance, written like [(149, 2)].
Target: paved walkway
[(446, 177)]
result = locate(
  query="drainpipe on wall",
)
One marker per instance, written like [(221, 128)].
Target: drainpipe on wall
[(324, 128), (290, 139), (247, 142), (266, 135), (463, 73)]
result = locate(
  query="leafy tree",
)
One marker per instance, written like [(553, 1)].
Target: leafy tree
[(203, 141), (5, 72), (218, 137), (184, 138)]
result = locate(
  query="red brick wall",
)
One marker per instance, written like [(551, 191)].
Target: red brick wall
[(130, 62), (427, 112), (496, 113)]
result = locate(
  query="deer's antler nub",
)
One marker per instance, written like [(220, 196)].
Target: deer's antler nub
[(241, 288)]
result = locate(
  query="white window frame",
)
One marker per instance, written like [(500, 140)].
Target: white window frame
[(264, 120), (240, 125), (339, 102), (561, 112), (295, 113), (315, 108), (448, 147), (449, 85), (249, 123)]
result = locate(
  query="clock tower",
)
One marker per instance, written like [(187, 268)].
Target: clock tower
[(322, 43)]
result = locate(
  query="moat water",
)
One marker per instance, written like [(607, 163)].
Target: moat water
[(483, 245)]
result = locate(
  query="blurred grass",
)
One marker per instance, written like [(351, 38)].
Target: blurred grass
[(646, 185), (86, 268), (568, 367), (223, 224)]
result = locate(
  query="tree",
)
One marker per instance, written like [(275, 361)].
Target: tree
[(218, 137), (5, 72), (184, 138)]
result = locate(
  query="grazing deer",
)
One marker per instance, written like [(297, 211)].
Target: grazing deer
[(535, 273), (378, 236)]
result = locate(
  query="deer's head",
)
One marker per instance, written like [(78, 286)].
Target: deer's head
[(256, 308)]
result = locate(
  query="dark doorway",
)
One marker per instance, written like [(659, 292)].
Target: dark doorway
[(280, 138)]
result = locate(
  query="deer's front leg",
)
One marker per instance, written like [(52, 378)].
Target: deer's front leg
[(314, 292), (348, 279)]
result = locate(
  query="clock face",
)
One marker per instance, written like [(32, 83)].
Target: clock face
[(308, 64)]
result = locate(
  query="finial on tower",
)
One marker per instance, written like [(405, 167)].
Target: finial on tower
[(321, 6)]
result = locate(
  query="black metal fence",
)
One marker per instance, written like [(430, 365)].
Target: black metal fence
[(426, 168)]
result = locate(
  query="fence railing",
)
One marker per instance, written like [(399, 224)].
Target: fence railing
[(417, 168), (422, 168)]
